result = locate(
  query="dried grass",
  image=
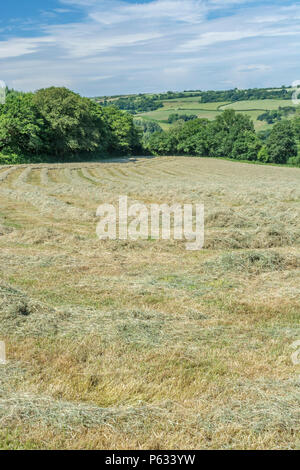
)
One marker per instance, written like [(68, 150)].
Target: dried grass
[(123, 344)]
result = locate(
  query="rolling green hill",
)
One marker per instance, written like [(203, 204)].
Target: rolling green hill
[(195, 103), (252, 108)]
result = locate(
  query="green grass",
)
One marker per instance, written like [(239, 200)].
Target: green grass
[(192, 105), (257, 104)]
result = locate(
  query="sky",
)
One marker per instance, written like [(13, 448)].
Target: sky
[(109, 47)]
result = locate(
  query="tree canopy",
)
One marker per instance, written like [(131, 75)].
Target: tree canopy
[(60, 123)]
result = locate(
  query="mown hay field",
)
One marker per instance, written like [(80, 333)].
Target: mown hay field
[(143, 344)]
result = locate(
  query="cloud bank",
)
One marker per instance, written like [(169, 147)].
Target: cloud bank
[(113, 46)]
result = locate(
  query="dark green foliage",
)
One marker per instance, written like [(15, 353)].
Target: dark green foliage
[(193, 137), (226, 130), (147, 127), (190, 138), (282, 145), (276, 115), (72, 124), (181, 117), (263, 155), (296, 126), (295, 161), (123, 137), (163, 143), (244, 95), (21, 124), (230, 135), (141, 102), (134, 104), (246, 146), (57, 123), (171, 95)]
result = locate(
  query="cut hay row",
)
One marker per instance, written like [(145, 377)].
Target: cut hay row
[(46, 205), (39, 198), (143, 344), (88, 175), (6, 173), (44, 176)]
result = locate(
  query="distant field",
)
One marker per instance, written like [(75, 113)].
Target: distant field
[(257, 104), (144, 345), (211, 110), (184, 103), (163, 114)]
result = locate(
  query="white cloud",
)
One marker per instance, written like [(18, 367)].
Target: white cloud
[(82, 41), (163, 44), (19, 46), (213, 37), (254, 68), (185, 11)]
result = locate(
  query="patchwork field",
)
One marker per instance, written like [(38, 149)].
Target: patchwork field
[(252, 108), (144, 345)]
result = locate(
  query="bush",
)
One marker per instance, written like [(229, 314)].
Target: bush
[(295, 161), (263, 155)]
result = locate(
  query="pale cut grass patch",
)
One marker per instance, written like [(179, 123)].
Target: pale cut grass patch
[(142, 344)]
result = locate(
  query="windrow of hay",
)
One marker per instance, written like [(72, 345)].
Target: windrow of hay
[(26, 409), (22, 316), (267, 404), (45, 176), (4, 229), (45, 236), (46, 204), (6, 173), (266, 237), (144, 344), (253, 261)]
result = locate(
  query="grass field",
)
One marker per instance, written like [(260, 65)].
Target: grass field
[(211, 110), (144, 345)]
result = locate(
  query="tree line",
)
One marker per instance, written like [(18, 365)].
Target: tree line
[(150, 102), (60, 124), (134, 104), (276, 115), (230, 135), (245, 95), (177, 117)]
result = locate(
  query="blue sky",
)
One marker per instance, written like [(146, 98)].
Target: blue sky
[(99, 47)]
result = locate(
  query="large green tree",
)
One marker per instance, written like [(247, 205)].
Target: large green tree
[(281, 144), (124, 137), (246, 146), (72, 124), (192, 138), (225, 130), (21, 124)]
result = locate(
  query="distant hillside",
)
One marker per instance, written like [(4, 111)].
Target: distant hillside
[(264, 106)]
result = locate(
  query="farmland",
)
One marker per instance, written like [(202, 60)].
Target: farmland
[(192, 105), (143, 344)]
